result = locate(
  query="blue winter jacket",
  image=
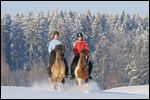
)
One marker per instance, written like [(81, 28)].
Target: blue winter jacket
[(53, 44)]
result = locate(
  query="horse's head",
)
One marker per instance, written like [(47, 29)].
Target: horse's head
[(60, 50), (84, 54)]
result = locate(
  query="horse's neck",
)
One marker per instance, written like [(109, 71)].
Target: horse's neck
[(58, 60), (80, 62)]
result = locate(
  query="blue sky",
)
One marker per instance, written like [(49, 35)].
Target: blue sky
[(110, 7)]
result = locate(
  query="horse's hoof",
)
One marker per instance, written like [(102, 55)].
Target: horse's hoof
[(86, 81), (63, 81), (55, 87)]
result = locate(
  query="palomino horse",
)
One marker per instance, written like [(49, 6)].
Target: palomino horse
[(58, 67), (81, 71)]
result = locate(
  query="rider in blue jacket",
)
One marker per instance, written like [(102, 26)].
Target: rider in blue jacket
[(53, 43)]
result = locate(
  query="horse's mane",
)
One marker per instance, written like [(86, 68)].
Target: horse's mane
[(53, 53), (60, 47)]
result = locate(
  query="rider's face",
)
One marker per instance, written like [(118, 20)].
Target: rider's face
[(56, 36), (80, 38)]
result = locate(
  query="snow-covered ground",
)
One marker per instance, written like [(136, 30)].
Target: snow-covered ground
[(139, 89), (70, 90)]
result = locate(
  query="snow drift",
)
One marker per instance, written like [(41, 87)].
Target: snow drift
[(45, 90)]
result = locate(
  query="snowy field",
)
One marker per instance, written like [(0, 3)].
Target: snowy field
[(70, 90)]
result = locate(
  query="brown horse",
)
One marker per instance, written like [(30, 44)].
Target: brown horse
[(81, 72), (58, 68)]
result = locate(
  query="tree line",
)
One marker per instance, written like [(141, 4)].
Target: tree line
[(119, 46)]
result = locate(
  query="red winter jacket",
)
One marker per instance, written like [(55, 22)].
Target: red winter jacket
[(78, 46)]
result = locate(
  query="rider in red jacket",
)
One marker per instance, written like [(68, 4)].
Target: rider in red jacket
[(78, 45)]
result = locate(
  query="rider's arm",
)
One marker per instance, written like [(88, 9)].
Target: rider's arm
[(75, 50), (50, 47)]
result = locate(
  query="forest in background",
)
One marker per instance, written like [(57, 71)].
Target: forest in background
[(119, 46)]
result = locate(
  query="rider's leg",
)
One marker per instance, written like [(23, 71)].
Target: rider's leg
[(90, 69), (73, 66)]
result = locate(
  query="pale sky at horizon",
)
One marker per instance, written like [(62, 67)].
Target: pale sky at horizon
[(107, 7)]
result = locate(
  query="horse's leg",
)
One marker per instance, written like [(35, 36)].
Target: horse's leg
[(86, 81), (49, 79), (79, 81), (63, 81), (55, 85), (49, 71)]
